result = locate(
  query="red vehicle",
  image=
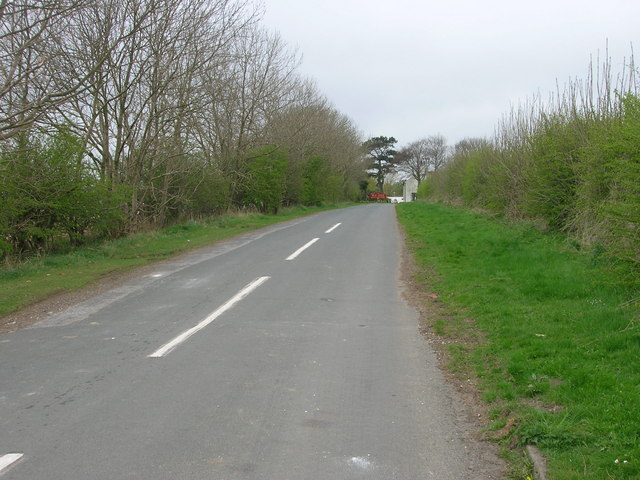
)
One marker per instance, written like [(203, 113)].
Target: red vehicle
[(378, 196)]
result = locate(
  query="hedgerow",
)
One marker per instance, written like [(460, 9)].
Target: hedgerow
[(572, 165)]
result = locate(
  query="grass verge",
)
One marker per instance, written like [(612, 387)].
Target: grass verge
[(39, 278), (559, 356)]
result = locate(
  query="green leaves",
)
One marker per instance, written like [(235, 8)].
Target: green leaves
[(49, 194), (381, 152), (266, 174)]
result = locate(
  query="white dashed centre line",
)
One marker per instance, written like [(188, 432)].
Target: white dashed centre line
[(333, 228), (302, 249), (9, 459), (165, 349)]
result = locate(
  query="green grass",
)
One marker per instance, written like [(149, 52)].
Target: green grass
[(561, 354), (39, 278)]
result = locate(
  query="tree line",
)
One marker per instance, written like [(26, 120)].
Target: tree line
[(119, 115)]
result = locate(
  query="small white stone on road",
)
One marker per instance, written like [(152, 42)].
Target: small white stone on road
[(361, 462)]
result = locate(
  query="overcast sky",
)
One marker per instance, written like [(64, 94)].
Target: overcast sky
[(411, 68)]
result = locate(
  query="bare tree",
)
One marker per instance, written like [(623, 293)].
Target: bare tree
[(158, 91), (313, 131), (106, 111), (30, 40), (243, 94), (438, 151), (140, 109), (469, 145), (414, 159), (423, 156)]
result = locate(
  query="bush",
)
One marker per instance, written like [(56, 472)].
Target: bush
[(550, 175), (314, 174), (211, 194), (621, 211), (266, 174), (48, 192)]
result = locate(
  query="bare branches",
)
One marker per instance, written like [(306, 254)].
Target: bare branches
[(31, 40), (423, 156), (161, 93)]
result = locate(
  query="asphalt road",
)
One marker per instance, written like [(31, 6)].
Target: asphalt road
[(253, 359)]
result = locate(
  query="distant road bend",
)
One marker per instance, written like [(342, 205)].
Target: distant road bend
[(287, 353)]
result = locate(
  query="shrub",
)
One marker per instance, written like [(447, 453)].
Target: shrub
[(48, 192), (266, 174), (573, 166)]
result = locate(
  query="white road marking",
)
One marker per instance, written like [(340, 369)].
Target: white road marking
[(333, 228), (302, 249), (165, 349), (7, 460)]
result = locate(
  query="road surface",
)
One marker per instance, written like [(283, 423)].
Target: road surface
[(286, 353)]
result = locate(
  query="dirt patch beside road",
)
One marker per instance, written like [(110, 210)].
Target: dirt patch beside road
[(59, 302)]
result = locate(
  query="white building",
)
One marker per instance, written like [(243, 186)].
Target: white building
[(410, 189)]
